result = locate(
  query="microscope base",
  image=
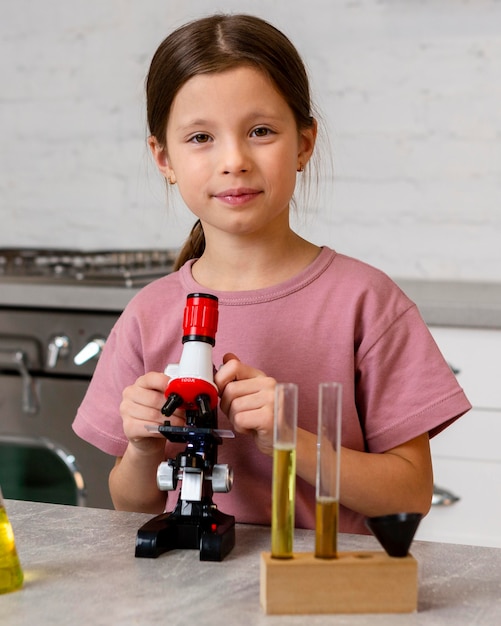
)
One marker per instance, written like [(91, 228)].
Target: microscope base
[(213, 535)]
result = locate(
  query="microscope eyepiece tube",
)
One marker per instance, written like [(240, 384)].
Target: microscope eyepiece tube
[(200, 318)]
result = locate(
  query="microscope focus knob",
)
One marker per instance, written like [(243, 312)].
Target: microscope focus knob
[(222, 478), (166, 477)]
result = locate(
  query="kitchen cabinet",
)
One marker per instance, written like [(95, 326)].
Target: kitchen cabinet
[(467, 455)]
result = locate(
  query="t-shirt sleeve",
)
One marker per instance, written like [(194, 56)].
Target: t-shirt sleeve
[(404, 386)]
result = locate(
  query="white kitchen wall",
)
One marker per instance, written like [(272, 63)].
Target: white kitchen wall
[(410, 92)]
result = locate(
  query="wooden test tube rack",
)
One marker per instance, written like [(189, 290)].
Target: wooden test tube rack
[(355, 582)]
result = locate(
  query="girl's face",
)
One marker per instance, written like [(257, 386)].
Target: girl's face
[(233, 147)]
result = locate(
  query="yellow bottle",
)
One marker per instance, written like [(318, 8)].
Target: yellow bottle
[(11, 574)]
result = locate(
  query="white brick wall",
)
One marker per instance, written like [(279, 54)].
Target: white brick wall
[(410, 92)]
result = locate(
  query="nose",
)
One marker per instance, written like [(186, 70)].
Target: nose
[(235, 158)]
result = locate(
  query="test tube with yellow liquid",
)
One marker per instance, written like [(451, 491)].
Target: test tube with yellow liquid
[(284, 471), (11, 574), (328, 465)]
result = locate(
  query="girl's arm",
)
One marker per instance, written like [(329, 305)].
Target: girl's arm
[(399, 480), (133, 482)]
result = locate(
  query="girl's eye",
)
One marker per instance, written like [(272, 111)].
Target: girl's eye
[(261, 132), (200, 138)]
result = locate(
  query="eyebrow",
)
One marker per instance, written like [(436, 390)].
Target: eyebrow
[(195, 122), (201, 122)]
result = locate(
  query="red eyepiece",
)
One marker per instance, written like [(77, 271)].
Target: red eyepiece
[(200, 318)]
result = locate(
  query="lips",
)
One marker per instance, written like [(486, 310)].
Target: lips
[(237, 196)]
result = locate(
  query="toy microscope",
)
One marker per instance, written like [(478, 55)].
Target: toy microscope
[(196, 521)]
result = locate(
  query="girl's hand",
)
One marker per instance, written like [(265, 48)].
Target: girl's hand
[(140, 407), (247, 399)]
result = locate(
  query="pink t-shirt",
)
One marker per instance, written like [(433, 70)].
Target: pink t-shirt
[(338, 320)]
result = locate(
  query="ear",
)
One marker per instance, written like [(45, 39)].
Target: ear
[(307, 139), (159, 153)]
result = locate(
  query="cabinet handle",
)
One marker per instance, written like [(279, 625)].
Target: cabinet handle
[(443, 497), (90, 351), (454, 370), (18, 361), (59, 346)]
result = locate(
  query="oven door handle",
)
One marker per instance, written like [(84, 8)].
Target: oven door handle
[(18, 361)]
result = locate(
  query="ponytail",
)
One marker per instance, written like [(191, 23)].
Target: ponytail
[(193, 246)]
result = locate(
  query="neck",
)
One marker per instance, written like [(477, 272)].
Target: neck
[(245, 265)]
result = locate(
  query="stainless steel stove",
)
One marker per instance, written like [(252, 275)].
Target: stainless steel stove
[(57, 308), (129, 268)]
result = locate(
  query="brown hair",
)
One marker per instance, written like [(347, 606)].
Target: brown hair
[(215, 44)]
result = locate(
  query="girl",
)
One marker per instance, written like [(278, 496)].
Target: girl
[(230, 119)]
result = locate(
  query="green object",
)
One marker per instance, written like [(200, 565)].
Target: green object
[(32, 471)]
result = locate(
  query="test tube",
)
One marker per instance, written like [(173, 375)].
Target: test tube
[(328, 465), (284, 471)]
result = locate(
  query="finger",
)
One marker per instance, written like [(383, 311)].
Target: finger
[(140, 402), (229, 356), (153, 380), (248, 400), (233, 369), (255, 424), (249, 387), (141, 405), (133, 410), (227, 371)]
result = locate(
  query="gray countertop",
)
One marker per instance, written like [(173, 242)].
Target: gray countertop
[(79, 297), (80, 568), (450, 303), (456, 303)]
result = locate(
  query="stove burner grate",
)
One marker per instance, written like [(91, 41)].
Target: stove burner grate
[(128, 268)]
